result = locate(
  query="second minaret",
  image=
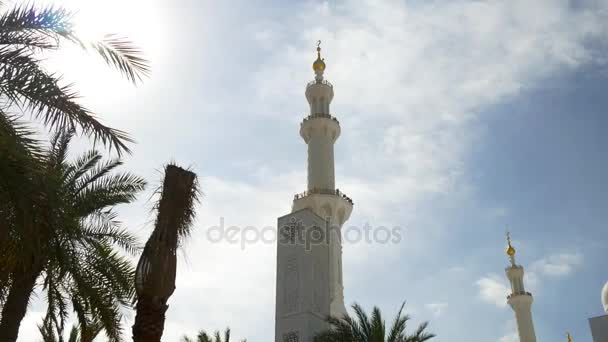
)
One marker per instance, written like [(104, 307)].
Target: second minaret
[(520, 300)]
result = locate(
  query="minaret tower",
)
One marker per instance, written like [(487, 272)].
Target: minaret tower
[(309, 250), (519, 299), (320, 130)]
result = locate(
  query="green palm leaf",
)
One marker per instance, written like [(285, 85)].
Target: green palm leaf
[(78, 235), (362, 328), (25, 32)]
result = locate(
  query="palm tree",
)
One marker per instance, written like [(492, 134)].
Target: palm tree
[(204, 337), (155, 273), (27, 190), (26, 34), (64, 242), (47, 331), (371, 329)]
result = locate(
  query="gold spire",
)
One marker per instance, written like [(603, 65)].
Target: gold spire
[(319, 64), (510, 249), (569, 337)]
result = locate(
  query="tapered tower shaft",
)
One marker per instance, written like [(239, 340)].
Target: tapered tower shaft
[(320, 130), (520, 300)]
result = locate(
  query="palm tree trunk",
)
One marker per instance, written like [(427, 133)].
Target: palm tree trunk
[(155, 273), (150, 319), (16, 303)]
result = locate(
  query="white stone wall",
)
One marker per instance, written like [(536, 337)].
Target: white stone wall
[(302, 293)]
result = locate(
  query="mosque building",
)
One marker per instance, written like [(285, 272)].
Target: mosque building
[(309, 251)]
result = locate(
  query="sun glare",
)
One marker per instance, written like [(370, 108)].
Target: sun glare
[(135, 20)]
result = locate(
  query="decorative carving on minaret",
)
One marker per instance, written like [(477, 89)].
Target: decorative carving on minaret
[(293, 336), (292, 295)]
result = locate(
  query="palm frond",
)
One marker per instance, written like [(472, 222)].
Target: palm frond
[(396, 334), (362, 328), (94, 174), (83, 164), (57, 304), (121, 53), (104, 228), (73, 335), (28, 25), (420, 335), (58, 152), (363, 320), (108, 191), (377, 325), (35, 91), (203, 337), (47, 331)]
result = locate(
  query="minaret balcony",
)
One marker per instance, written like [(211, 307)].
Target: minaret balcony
[(321, 115), (327, 203), (525, 293), (323, 192), (324, 82), (323, 124)]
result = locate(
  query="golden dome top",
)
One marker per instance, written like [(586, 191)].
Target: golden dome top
[(510, 249), (569, 337), (319, 64)]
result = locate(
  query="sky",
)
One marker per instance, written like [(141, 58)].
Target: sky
[(460, 120)]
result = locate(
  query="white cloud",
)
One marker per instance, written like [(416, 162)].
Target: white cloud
[(511, 337), (437, 309), (558, 264), (421, 73), (493, 290), (510, 334)]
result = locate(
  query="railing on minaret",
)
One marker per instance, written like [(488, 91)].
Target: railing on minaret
[(520, 300)]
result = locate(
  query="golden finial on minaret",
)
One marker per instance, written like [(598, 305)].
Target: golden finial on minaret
[(510, 249), (319, 64), (569, 337)]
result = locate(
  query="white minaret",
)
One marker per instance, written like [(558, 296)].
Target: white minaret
[(519, 299), (309, 277), (320, 130)]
